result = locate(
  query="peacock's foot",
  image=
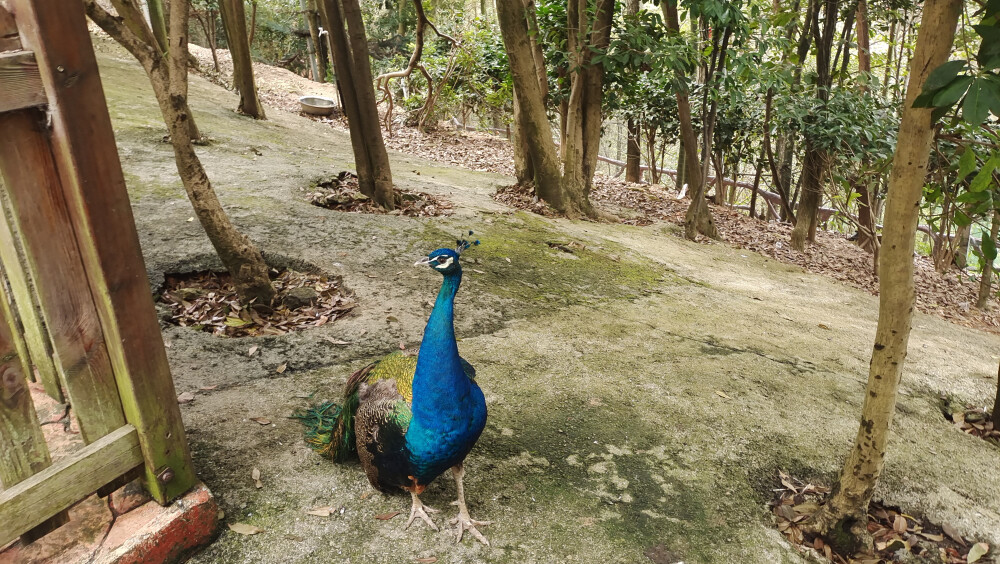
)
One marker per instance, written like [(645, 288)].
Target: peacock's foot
[(466, 523), (418, 509)]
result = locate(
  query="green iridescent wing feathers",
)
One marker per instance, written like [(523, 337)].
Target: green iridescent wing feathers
[(330, 427)]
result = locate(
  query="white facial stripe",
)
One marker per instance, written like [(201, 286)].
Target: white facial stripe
[(446, 263)]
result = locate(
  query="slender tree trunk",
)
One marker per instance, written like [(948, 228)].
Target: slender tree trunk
[(168, 76), (253, 21), (318, 60), (633, 167), (888, 62), (844, 514), (350, 49), (986, 277), (697, 219), (235, 24), (758, 170), (815, 163), (524, 170), (996, 403), (158, 21), (867, 237), (633, 163)]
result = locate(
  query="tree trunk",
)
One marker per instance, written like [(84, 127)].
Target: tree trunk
[(996, 403), (253, 22), (758, 170), (986, 277), (697, 219), (349, 45), (318, 54), (816, 160), (633, 165), (568, 191), (235, 24), (524, 170), (845, 513), (168, 76), (532, 122), (158, 21)]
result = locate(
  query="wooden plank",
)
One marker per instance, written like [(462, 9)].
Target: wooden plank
[(9, 40), (21, 440), (94, 188), (20, 82), (65, 483), (26, 304), (53, 256)]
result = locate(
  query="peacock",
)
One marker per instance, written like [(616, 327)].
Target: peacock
[(409, 419)]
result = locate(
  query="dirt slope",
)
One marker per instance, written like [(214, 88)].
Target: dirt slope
[(607, 440)]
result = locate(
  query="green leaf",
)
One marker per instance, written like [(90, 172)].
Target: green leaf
[(924, 100), (944, 74), (952, 92), (976, 108), (236, 322), (967, 163), (982, 179), (988, 56), (961, 219), (991, 94), (973, 197)]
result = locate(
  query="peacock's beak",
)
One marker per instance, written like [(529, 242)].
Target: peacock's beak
[(423, 262)]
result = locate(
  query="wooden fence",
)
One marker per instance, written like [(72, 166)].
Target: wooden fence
[(75, 305)]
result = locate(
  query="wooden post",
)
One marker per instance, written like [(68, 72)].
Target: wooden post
[(98, 207), (53, 256)]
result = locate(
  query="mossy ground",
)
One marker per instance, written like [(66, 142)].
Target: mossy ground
[(643, 391)]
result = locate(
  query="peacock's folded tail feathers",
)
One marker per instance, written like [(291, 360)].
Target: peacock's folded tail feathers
[(330, 427)]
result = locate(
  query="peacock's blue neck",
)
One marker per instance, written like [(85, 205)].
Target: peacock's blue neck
[(440, 385)]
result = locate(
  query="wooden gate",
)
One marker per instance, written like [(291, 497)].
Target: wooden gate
[(75, 305)]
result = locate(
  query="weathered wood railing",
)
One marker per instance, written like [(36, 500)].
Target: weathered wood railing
[(75, 304)]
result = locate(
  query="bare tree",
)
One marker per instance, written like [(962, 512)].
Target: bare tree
[(167, 73), (845, 512)]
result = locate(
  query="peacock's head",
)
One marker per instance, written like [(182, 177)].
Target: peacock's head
[(445, 261)]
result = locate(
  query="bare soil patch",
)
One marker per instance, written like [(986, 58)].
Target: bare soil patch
[(898, 537), (208, 301)]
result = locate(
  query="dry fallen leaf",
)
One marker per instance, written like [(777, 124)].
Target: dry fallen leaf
[(255, 474), (261, 420), (824, 326), (294, 538), (387, 516), (281, 368), (186, 397), (208, 388), (722, 394), (253, 349), (953, 533), (245, 529), (336, 341), (899, 524), (324, 511), (977, 551), (391, 319)]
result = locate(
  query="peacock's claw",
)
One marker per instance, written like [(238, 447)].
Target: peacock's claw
[(418, 509), (466, 523)]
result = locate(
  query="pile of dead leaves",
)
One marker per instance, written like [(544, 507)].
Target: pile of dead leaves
[(341, 193), (898, 537), (974, 421), (522, 197), (208, 301), (638, 204)]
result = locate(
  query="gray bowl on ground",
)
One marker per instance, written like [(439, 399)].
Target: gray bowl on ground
[(317, 105)]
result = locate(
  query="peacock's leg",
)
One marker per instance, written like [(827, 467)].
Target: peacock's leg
[(420, 510), (464, 522)]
